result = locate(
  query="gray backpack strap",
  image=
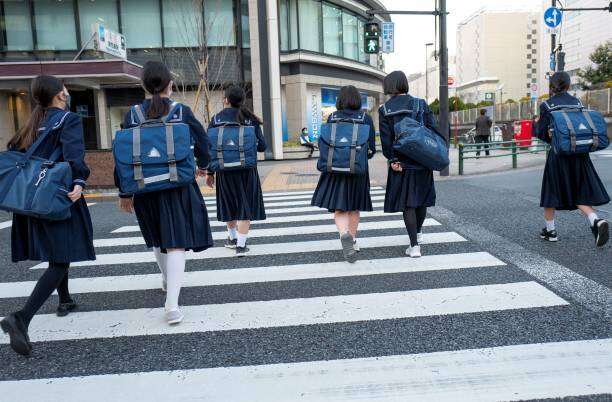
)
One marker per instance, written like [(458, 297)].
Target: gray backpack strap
[(173, 173), (241, 145), (593, 128), (220, 148), (353, 149), (136, 158), (572, 130), (138, 116), (173, 106), (330, 151)]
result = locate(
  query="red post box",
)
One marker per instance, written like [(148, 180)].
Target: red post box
[(523, 131)]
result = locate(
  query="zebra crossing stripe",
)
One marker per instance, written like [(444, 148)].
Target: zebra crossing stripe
[(269, 249), (293, 312), (289, 219), (516, 372), (305, 196), (269, 274), (6, 224), (291, 193), (270, 205), (255, 233)]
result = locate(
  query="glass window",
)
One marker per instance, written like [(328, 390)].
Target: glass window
[(55, 29), (363, 56), (332, 30), (293, 23), (18, 25), (284, 30), (244, 21), (219, 23), (310, 28), (350, 36), (94, 11), (182, 23), (140, 21)]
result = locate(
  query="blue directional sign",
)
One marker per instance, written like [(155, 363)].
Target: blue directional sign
[(553, 17)]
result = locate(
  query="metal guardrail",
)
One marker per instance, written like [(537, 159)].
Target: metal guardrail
[(513, 147)]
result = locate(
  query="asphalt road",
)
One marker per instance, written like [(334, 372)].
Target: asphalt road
[(489, 313)]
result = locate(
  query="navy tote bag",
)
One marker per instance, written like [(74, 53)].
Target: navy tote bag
[(35, 186)]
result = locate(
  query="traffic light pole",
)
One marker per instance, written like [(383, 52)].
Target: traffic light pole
[(443, 60)]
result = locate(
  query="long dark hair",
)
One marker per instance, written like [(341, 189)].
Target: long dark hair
[(348, 98), (43, 89), (560, 82), (155, 79), (236, 96)]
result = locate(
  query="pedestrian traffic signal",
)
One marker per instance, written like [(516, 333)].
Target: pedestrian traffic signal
[(371, 36)]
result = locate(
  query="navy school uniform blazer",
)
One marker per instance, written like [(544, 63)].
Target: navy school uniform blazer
[(391, 112), (197, 131), (229, 115), (559, 100), (357, 116), (70, 139)]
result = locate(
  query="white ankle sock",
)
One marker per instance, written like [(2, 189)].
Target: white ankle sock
[(162, 261), (232, 233), (175, 270), (550, 225), (592, 217), (242, 238)]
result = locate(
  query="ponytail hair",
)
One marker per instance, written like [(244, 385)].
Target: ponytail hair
[(560, 82), (236, 96), (43, 89), (155, 79)]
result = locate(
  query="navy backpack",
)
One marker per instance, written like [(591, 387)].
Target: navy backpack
[(576, 130), (232, 147), (420, 143), (343, 146), (157, 154), (34, 186)]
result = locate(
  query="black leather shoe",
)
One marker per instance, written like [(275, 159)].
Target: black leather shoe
[(17, 331), (65, 308), (601, 232)]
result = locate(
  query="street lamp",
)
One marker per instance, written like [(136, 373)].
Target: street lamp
[(427, 72)]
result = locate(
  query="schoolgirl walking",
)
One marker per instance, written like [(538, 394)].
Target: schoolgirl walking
[(56, 135), (234, 168), (174, 219), (410, 185), (569, 182), (346, 194)]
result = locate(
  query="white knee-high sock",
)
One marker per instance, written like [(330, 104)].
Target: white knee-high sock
[(162, 261), (591, 218), (175, 272), (232, 233), (242, 238)]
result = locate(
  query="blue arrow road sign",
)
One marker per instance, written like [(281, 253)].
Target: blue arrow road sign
[(552, 17)]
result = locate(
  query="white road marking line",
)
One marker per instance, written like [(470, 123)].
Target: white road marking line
[(269, 274), (287, 219), (516, 372), (271, 206), (268, 249), (286, 231), (6, 224), (291, 193), (292, 312), (91, 204)]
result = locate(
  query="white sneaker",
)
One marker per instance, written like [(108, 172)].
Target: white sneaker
[(414, 252), (174, 316), (420, 237)]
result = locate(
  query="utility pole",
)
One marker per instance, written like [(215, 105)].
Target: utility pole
[(444, 127)]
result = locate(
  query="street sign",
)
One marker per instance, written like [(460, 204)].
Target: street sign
[(489, 96), (108, 41), (553, 17), (451, 81), (388, 34)]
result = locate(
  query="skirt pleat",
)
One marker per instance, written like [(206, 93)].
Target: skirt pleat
[(570, 181), (343, 192), (174, 218), (65, 241), (239, 196), (409, 189)]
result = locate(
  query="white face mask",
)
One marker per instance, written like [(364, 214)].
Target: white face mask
[(68, 98)]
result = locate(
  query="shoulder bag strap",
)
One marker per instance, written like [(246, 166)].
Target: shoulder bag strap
[(220, 147), (332, 144), (353, 149), (593, 128), (572, 130), (173, 107), (138, 116), (41, 137), (241, 145)]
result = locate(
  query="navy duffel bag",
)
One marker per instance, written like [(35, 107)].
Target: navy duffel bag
[(420, 143), (35, 186), (578, 131), (155, 155), (232, 147), (343, 148)]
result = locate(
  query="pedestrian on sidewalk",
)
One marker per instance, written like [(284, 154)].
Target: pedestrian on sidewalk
[(172, 220), (410, 185), (239, 195), (483, 132), (305, 141), (58, 242), (345, 195), (570, 181)]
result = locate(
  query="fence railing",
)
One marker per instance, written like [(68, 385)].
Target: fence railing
[(598, 99), (513, 148)]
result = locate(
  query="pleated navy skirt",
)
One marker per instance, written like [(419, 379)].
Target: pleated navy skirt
[(239, 196), (569, 181), (65, 241), (174, 218), (409, 189), (343, 192)]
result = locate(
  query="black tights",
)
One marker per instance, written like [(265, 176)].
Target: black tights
[(55, 277), (414, 219)]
